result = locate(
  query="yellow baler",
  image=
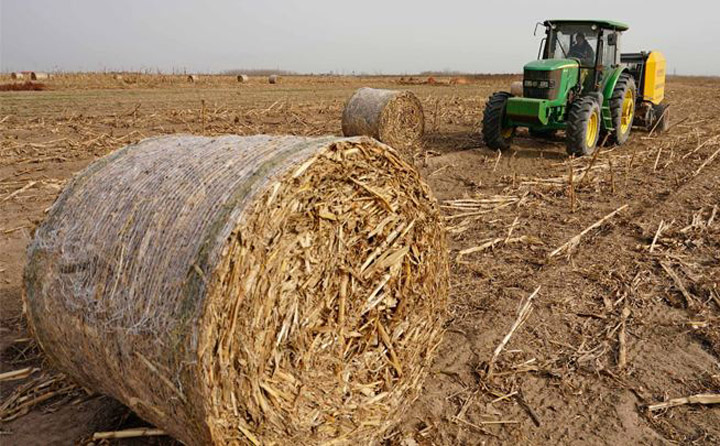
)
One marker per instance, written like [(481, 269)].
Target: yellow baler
[(649, 68)]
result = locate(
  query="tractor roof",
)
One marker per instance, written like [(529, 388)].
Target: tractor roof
[(601, 23)]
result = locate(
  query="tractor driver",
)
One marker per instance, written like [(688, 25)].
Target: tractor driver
[(582, 50)]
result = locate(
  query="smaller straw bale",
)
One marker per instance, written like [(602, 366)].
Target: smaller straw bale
[(243, 78), (516, 88), (273, 79), (117, 77), (390, 116), (36, 76), (193, 78), (16, 75)]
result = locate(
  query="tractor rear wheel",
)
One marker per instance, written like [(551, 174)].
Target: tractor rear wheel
[(583, 126), (622, 108), (497, 136)]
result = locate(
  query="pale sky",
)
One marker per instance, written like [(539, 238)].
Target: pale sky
[(372, 36)]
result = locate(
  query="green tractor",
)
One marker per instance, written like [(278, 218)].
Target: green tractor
[(581, 84)]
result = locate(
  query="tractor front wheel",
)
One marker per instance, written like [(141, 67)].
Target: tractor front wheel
[(622, 108), (496, 135), (583, 126)]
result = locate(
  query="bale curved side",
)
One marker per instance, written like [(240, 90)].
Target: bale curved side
[(393, 117), (242, 78), (273, 79), (250, 289)]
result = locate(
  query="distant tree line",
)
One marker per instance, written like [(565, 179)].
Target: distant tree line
[(259, 72)]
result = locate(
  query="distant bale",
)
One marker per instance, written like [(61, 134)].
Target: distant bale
[(243, 78), (23, 86), (459, 81), (390, 116), (245, 290), (516, 88), (273, 78), (17, 76), (117, 77), (193, 78), (37, 76)]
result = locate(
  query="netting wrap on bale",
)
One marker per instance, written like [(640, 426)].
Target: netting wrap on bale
[(250, 290), (393, 117)]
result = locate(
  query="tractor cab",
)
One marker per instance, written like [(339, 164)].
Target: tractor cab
[(594, 45), (582, 85)]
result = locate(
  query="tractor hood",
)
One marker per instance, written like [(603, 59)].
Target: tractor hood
[(551, 64)]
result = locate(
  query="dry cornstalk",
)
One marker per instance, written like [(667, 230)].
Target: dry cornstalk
[(589, 167), (678, 284), (17, 374), (701, 398), (21, 190), (707, 161), (523, 314), (497, 161), (657, 158), (129, 433), (622, 352), (571, 188), (570, 244), (657, 235)]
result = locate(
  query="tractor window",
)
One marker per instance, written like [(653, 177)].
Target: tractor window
[(573, 41), (610, 54)]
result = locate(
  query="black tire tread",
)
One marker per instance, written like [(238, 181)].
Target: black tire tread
[(578, 116), (616, 101), (492, 121)]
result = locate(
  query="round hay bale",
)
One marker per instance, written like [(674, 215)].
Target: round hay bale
[(273, 79), (243, 78), (264, 289), (17, 76), (390, 116), (38, 76), (193, 78), (516, 89), (117, 77)]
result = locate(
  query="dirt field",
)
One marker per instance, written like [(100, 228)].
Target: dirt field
[(627, 317)]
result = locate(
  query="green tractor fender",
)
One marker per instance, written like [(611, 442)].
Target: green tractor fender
[(607, 88)]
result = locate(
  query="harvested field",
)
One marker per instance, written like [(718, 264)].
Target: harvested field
[(577, 347)]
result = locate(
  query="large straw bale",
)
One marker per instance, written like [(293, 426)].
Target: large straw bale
[(193, 78), (273, 79), (37, 76), (390, 116), (245, 290), (17, 75), (243, 78)]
